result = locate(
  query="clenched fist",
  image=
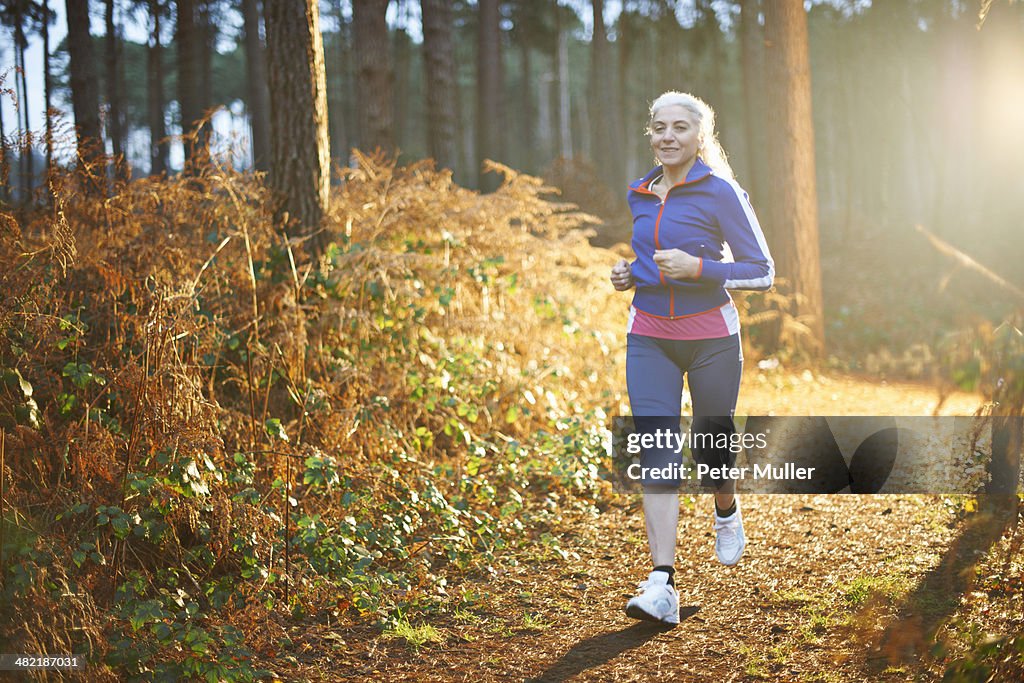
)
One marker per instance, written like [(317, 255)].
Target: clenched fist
[(677, 264), (622, 277)]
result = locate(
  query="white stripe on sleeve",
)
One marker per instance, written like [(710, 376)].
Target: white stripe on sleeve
[(760, 282)]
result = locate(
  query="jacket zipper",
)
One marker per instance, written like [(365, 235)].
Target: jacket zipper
[(671, 290), (657, 245)]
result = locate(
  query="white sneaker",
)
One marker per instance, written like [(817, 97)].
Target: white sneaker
[(729, 541), (657, 600)]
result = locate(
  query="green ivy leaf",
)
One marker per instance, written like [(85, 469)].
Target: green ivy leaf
[(275, 429)]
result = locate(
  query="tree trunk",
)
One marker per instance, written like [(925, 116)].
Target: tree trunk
[(794, 213), (671, 60), (439, 67), (626, 132), (528, 138), (207, 48), (752, 67), (28, 164), (712, 81), (403, 63), (546, 142), (47, 86), (605, 125), (84, 88), (562, 88), (113, 96), (300, 153), (336, 95), (5, 171), (158, 161), (1004, 469), (349, 106), (259, 97), (373, 75), (581, 127), (190, 82), (465, 135), (115, 105), (488, 91)]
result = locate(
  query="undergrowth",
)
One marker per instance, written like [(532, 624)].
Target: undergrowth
[(203, 429)]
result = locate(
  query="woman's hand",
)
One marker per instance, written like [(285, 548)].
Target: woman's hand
[(622, 276), (677, 264)]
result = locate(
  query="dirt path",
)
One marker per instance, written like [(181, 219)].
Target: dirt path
[(791, 610), (831, 588), (806, 393)]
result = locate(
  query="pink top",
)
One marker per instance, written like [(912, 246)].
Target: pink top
[(718, 322)]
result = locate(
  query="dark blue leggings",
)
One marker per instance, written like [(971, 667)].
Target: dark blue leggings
[(654, 377)]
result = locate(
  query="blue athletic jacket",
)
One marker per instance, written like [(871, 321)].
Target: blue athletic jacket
[(700, 216)]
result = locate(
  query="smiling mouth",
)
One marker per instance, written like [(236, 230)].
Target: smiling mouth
[(669, 149)]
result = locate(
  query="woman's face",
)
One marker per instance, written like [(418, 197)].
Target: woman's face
[(674, 131)]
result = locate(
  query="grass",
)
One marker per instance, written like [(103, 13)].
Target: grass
[(824, 676), (565, 605), (796, 595), (822, 619), (414, 636), (755, 669), (756, 665), (780, 654), (533, 622), (893, 586), (465, 617), (501, 630)]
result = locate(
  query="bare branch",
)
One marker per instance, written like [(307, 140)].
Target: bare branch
[(966, 261)]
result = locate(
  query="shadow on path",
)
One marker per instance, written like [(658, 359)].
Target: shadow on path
[(597, 650), (911, 634)]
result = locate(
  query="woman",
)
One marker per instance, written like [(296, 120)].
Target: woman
[(688, 213)]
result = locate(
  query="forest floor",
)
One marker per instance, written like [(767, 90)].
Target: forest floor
[(831, 588)]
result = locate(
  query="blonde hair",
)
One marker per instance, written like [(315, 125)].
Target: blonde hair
[(708, 148)]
